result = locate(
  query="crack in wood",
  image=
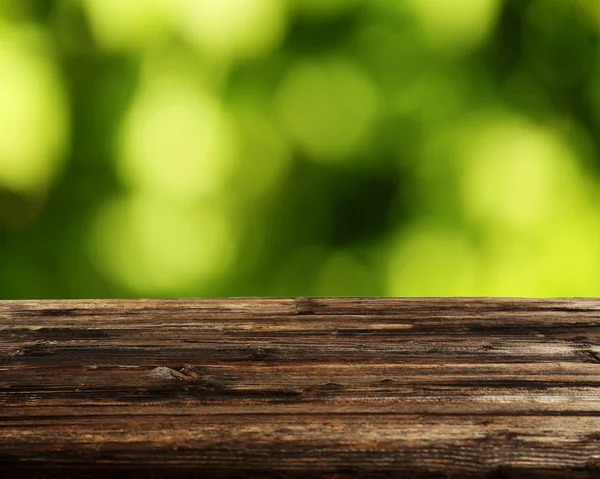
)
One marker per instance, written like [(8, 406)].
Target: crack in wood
[(594, 355)]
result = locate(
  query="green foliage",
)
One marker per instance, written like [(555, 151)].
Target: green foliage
[(268, 147)]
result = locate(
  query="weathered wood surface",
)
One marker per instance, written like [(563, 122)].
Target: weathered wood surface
[(352, 387)]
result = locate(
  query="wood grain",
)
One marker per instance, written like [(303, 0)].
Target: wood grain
[(305, 387)]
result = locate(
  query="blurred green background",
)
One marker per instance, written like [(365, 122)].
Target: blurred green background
[(299, 147)]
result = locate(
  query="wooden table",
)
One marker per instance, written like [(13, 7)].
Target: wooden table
[(319, 387)]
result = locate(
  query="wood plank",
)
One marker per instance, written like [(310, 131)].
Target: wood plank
[(319, 387)]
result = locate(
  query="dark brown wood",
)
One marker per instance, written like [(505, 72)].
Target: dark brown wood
[(321, 387)]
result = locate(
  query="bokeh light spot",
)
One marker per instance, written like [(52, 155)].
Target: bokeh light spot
[(328, 108), (130, 24), (559, 259), (519, 174), (152, 245), (228, 29), (428, 260), (177, 140), (33, 113), (590, 10), (455, 25)]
